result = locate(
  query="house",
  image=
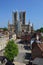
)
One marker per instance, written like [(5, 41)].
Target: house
[(37, 53), (37, 50), (26, 37)]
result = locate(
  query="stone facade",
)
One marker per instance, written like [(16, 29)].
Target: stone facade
[(19, 25)]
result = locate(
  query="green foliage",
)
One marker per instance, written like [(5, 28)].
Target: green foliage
[(5, 29), (11, 50), (40, 30)]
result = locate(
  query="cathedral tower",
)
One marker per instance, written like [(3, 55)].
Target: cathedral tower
[(22, 17), (14, 17)]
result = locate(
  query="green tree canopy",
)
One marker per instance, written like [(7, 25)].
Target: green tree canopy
[(11, 50), (40, 30), (5, 29)]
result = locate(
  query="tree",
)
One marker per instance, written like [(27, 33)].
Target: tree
[(5, 29), (11, 50), (40, 30)]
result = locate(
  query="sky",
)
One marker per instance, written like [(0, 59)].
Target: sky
[(33, 8)]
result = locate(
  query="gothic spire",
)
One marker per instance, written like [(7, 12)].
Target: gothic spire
[(8, 22), (29, 22)]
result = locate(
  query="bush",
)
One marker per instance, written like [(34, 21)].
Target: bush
[(11, 50)]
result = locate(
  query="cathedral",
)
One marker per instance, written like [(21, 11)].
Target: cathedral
[(19, 23)]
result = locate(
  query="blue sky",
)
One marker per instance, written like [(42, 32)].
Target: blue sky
[(33, 8)]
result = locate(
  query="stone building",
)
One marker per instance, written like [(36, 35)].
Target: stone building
[(18, 24), (22, 16)]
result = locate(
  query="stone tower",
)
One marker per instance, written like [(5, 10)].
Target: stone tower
[(32, 30), (14, 17), (22, 16), (29, 26), (8, 25)]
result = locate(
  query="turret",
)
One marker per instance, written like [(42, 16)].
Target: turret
[(8, 22), (8, 25)]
